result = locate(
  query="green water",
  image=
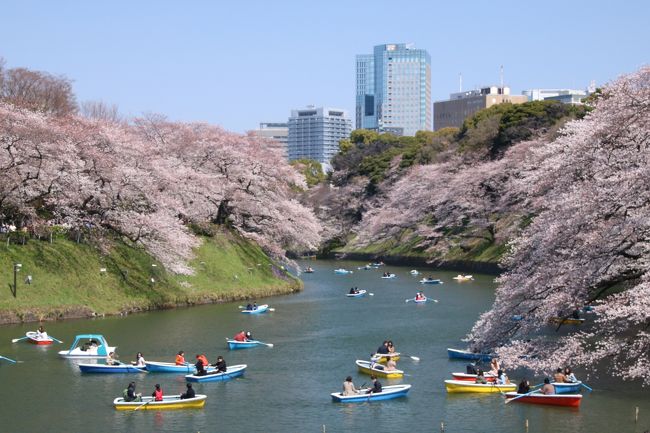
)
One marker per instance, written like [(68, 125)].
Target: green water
[(318, 334)]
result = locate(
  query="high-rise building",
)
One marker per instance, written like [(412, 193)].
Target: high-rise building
[(394, 89), (314, 133), (566, 96), (276, 131), (461, 105)]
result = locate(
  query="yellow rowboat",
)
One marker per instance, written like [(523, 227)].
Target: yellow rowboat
[(465, 386), (169, 402), (378, 370), (566, 321), (383, 358)]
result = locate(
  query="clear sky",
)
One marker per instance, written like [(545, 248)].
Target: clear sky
[(238, 63)]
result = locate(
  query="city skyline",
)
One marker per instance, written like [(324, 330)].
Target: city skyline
[(237, 67)]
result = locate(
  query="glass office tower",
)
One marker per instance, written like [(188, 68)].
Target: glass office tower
[(314, 133), (394, 89)]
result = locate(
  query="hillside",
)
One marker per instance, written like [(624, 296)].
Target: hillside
[(68, 278)]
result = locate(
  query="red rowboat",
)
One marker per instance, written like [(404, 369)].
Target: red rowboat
[(571, 400), (40, 339), (472, 377)]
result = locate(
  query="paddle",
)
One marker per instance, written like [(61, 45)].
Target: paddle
[(371, 294), (265, 344), (8, 359), (271, 309), (587, 387), (414, 358), (15, 340), (522, 395), (142, 405)]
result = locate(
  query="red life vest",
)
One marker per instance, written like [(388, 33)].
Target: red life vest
[(180, 360), (158, 395), (240, 337)]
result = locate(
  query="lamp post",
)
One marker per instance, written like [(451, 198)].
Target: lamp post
[(17, 267)]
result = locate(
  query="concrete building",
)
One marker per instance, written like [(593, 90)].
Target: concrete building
[(314, 133), (394, 89), (461, 105), (276, 131), (566, 96)]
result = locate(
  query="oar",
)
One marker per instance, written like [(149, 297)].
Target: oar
[(414, 358), (371, 294), (8, 359), (522, 395), (142, 405), (55, 339), (271, 309), (587, 387), (16, 340), (411, 299), (265, 344)]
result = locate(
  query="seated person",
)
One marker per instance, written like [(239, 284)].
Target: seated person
[(200, 366), (391, 347), (376, 385), (524, 387), (480, 378), (130, 394), (352, 292), (383, 349), (502, 379), (390, 365), (139, 361), (180, 358), (157, 393), (240, 336), (249, 307), (111, 359), (220, 365), (559, 377), (254, 306), (249, 336), (348, 387), (471, 368), (189, 393), (569, 376), (547, 389), (40, 332)]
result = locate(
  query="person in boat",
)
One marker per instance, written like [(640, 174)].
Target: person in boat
[(569, 376), (383, 349), (547, 389), (419, 296), (130, 394), (494, 367), (353, 291), (254, 306), (189, 393), (220, 365), (249, 336), (111, 359), (180, 358), (502, 378), (575, 314), (240, 336), (471, 368), (139, 361), (40, 333), (157, 393), (480, 377), (524, 387), (348, 387), (391, 365), (200, 365), (391, 347), (376, 385), (559, 376), (249, 307)]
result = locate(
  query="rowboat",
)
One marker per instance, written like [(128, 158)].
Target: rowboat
[(378, 370), (308, 271), (382, 358), (110, 369), (95, 347), (38, 338), (230, 373), (259, 310), (418, 300), (571, 400), (566, 321), (464, 354), (463, 277), (342, 271), (359, 294), (430, 281), (170, 367), (387, 393), (234, 344), (414, 272), (389, 276), (168, 402), (465, 386), (567, 387), (472, 377)]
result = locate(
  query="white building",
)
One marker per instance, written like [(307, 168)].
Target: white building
[(314, 133), (566, 96)]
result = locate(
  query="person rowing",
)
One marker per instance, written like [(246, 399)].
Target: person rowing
[(547, 389), (111, 359), (220, 365), (180, 358), (240, 336), (201, 364), (383, 349), (419, 296), (41, 334), (376, 386), (189, 393), (524, 387)]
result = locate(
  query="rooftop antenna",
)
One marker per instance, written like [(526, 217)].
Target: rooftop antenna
[(501, 76), (460, 82)]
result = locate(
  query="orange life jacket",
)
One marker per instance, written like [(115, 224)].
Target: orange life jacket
[(158, 395), (180, 360)]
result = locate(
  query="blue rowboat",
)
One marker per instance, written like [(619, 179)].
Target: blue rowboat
[(259, 310), (170, 367), (567, 387), (387, 393), (464, 354), (342, 271), (231, 373), (360, 294), (430, 281), (235, 345), (111, 369)]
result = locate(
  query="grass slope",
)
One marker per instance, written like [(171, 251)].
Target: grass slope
[(67, 281)]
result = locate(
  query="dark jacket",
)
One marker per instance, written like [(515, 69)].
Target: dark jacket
[(221, 366), (382, 350), (189, 394), (375, 388), (200, 369)]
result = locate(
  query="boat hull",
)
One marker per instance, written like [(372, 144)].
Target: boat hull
[(464, 354), (87, 354), (236, 345), (426, 281), (231, 373), (33, 338), (170, 367), (110, 369), (390, 277), (388, 393), (567, 400), (567, 321), (378, 370), (383, 358), (361, 294), (259, 310), (171, 402), (465, 386)]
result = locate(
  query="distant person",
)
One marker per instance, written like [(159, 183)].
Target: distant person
[(352, 292), (569, 376), (200, 366), (157, 393), (502, 378), (391, 347), (348, 387), (376, 385), (139, 361), (547, 389), (240, 336), (40, 333), (494, 367), (249, 307), (249, 336), (180, 358), (391, 365), (189, 393), (130, 394), (111, 359), (480, 378), (524, 387), (220, 365), (383, 349), (559, 377)]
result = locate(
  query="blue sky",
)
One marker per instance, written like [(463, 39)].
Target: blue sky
[(236, 63)]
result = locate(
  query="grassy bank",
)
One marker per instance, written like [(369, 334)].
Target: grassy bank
[(72, 279)]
